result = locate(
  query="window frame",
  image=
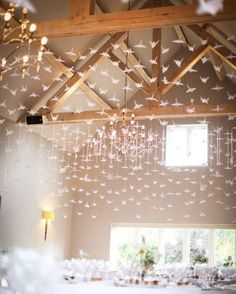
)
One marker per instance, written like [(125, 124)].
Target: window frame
[(186, 244), (187, 127)]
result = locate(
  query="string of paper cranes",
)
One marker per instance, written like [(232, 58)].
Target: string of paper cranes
[(22, 35), (121, 140)]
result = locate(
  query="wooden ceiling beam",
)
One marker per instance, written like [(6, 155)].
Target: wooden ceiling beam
[(90, 93), (88, 7), (217, 64), (181, 35), (221, 37), (214, 58), (42, 107), (188, 64), (79, 77), (113, 22), (133, 61), (215, 45), (131, 74), (75, 8), (145, 113), (156, 66)]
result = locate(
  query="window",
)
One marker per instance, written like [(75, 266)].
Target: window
[(173, 240), (174, 245), (224, 245), (187, 145), (199, 244)]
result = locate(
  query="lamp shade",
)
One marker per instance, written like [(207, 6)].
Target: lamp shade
[(48, 215)]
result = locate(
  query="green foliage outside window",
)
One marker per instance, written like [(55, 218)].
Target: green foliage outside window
[(146, 256), (224, 245)]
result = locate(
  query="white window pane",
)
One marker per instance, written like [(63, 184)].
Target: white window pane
[(174, 241), (224, 246), (199, 245), (121, 244), (187, 145)]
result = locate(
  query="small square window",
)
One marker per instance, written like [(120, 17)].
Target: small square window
[(187, 145)]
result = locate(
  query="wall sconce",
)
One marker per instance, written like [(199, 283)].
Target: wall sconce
[(47, 216)]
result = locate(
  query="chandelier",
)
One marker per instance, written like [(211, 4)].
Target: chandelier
[(22, 37), (118, 140)]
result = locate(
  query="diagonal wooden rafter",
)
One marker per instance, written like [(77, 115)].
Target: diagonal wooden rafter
[(193, 59), (214, 58), (221, 37), (188, 64), (181, 35), (61, 67), (131, 74), (145, 113), (215, 45), (133, 61), (131, 20), (78, 78), (83, 86), (217, 65), (156, 67), (86, 89)]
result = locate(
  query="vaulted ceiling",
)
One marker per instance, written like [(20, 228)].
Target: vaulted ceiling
[(82, 75)]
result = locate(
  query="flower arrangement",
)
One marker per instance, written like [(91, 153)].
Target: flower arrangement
[(144, 256), (147, 257), (228, 262), (200, 259)]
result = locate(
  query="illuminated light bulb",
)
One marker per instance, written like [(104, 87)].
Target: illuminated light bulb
[(7, 16), (33, 28), (40, 55), (44, 41), (25, 10), (25, 58), (4, 61)]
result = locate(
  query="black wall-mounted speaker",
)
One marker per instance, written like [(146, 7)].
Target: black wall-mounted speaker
[(34, 120)]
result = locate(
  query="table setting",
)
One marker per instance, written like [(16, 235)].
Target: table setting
[(29, 272), (88, 275)]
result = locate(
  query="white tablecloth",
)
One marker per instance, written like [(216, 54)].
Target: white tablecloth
[(101, 288)]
